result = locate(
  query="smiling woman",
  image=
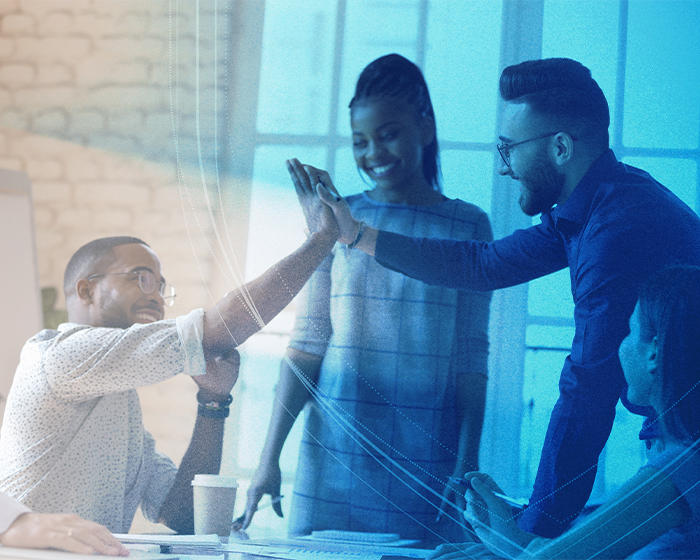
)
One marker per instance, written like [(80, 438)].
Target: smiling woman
[(380, 357), (387, 141)]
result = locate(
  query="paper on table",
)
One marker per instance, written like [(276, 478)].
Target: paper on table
[(209, 541), (282, 552), (307, 548), (367, 542)]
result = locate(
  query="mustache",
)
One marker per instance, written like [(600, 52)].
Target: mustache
[(150, 307)]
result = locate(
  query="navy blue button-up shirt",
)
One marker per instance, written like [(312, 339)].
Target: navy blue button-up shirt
[(618, 226)]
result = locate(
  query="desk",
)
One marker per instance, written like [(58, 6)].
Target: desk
[(239, 546), (7, 553)]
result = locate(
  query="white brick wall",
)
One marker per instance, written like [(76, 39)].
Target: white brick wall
[(85, 90)]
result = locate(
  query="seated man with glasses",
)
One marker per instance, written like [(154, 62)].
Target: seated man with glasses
[(611, 224), (72, 437)]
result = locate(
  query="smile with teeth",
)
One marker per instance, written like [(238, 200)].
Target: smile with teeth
[(148, 314), (380, 170)]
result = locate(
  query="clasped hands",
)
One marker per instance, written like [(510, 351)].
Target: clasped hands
[(221, 374)]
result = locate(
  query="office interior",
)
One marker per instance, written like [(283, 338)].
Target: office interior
[(170, 120)]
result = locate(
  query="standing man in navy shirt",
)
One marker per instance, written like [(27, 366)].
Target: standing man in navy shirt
[(611, 224)]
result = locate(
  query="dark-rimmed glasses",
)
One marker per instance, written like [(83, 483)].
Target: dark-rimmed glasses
[(504, 148), (147, 284)]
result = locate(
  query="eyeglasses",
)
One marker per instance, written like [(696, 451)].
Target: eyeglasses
[(504, 148), (147, 283)]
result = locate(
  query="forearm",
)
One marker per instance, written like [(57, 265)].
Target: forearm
[(472, 399), (244, 311), (441, 262), (203, 456), (290, 397), (472, 264)]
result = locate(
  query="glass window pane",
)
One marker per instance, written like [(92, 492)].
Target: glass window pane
[(551, 295), (296, 67), (469, 176), (586, 31), (347, 178), (276, 220), (260, 359), (624, 453), (680, 176), (662, 97), (373, 28), (462, 67), (549, 336)]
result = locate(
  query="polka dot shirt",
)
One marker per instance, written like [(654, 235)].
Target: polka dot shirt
[(73, 439)]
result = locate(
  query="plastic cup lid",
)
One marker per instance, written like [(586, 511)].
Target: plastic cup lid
[(217, 480)]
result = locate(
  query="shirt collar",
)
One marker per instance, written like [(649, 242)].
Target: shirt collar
[(575, 209)]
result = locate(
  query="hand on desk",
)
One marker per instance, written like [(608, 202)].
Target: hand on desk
[(266, 480), (62, 531)]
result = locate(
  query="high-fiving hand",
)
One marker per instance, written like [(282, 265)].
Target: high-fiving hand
[(320, 200)]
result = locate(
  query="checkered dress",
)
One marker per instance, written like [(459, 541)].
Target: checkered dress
[(393, 348)]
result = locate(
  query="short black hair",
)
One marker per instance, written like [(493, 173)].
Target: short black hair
[(87, 259), (393, 75), (564, 91)]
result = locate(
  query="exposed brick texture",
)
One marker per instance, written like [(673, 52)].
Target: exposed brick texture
[(86, 92)]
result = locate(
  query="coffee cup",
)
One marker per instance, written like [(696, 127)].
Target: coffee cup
[(214, 497)]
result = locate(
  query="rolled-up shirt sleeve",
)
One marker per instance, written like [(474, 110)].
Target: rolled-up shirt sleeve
[(9, 511), (190, 329), (84, 362)]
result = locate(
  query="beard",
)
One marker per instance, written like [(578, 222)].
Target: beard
[(540, 186), (113, 314)]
